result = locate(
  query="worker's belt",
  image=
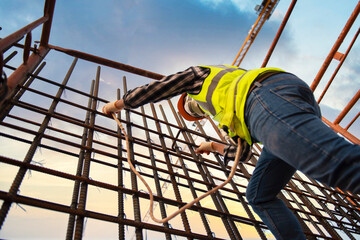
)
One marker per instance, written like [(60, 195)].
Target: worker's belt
[(261, 78)]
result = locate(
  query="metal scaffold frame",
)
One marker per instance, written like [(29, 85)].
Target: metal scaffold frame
[(162, 147)]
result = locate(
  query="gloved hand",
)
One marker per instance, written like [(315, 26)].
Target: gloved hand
[(110, 107), (205, 147), (245, 152)]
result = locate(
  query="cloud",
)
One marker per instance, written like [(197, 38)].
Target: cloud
[(14, 17), (241, 5)]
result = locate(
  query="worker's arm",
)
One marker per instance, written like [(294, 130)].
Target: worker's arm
[(113, 107), (207, 147), (190, 81), (228, 151)]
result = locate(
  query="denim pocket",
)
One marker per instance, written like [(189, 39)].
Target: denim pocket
[(300, 96)]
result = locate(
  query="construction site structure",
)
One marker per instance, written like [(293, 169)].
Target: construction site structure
[(264, 11), (67, 161)]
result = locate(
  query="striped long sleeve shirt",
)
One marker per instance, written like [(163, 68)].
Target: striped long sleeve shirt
[(189, 81)]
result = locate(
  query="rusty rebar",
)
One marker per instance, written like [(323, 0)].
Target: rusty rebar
[(79, 226), (156, 174), (121, 212), (233, 184), (347, 108), (190, 183), (28, 158), (16, 95), (231, 230), (76, 188), (335, 209), (134, 184), (49, 13), (336, 46), (109, 63), (278, 34), (18, 35), (183, 215), (339, 66)]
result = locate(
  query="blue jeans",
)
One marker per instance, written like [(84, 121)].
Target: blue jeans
[(283, 115)]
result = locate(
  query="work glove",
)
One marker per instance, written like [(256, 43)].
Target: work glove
[(205, 147), (245, 153), (110, 107)]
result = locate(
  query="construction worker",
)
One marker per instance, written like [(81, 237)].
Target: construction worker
[(267, 106)]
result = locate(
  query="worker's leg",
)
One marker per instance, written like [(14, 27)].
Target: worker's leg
[(270, 176), (284, 116)]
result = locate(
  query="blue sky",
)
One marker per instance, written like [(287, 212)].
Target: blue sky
[(166, 36)]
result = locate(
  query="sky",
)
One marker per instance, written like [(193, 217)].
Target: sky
[(169, 36)]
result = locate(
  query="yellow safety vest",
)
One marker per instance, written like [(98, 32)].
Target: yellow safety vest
[(223, 95)]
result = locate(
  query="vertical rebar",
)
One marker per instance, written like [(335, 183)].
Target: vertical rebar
[(302, 222), (76, 189), (79, 226), (278, 34), (134, 185), (32, 149), (313, 209), (339, 66), (171, 171), (49, 13), (16, 95), (233, 185), (206, 176), (230, 226), (190, 183), (155, 173), (336, 46), (21, 73), (325, 208), (121, 214)]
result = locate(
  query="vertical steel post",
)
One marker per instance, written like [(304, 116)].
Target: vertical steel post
[(21, 73), (79, 226), (121, 213), (336, 46), (277, 37), (339, 66), (347, 108), (190, 183), (134, 185), (37, 139), (233, 185), (155, 173), (49, 13), (16, 95), (229, 225), (76, 189), (183, 215)]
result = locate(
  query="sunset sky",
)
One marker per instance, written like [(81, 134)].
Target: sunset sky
[(169, 36)]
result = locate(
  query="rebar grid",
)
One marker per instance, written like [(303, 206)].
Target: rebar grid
[(167, 162), (84, 150)]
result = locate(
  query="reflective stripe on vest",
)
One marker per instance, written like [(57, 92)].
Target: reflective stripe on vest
[(206, 103), (223, 95)]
